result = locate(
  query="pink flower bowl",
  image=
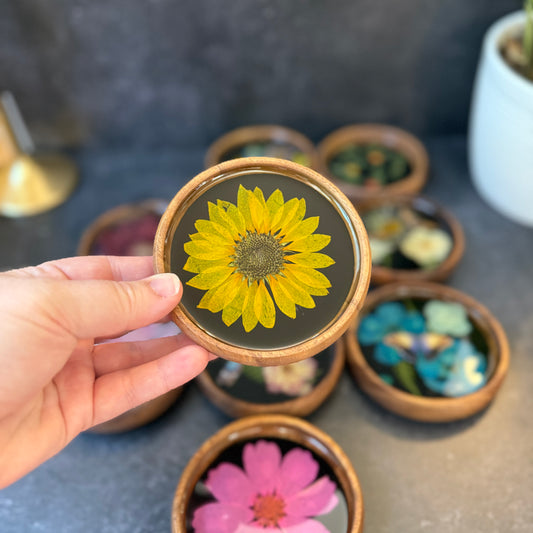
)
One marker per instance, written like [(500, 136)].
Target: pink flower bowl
[(268, 473)]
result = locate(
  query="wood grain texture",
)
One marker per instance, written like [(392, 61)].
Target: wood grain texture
[(389, 136), (260, 133), (306, 348), (422, 408), (382, 274), (283, 427), (299, 406)]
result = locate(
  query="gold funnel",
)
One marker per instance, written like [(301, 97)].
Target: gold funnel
[(28, 184)]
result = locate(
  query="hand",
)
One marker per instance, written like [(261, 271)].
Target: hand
[(56, 380)]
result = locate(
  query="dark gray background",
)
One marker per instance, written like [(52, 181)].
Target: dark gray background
[(178, 73), (141, 88)]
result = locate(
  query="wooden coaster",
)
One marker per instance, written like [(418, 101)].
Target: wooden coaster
[(251, 449), (273, 258)]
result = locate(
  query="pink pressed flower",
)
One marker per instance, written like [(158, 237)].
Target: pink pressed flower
[(271, 493)]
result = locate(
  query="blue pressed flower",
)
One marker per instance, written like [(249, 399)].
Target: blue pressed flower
[(391, 313), (429, 368), (413, 322), (386, 355), (371, 330)]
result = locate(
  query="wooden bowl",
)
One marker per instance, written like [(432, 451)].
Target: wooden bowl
[(240, 137), (282, 428), (149, 411), (115, 216), (424, 408), (444, 219), (388, 136), (237, 407), (314, 324)]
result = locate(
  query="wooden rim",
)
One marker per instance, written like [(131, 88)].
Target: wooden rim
[(382, 274), (274, 426), (260, 133), (300, 406), (117, 214), (352, 304), (421, 408), (388, 136)]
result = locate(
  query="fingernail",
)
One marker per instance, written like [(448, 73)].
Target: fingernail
[(165, 285)]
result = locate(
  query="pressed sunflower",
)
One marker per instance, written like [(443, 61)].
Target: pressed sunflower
[(250, 255)]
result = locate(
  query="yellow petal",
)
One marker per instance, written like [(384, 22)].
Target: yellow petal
[(198, 265), (264, 306), (233, 310), (285, 215), (243, 204), (273, 205), (249, 318), (210, 278), (214, 232), (311, 243), (309, 276), (313, 291), (214, 299), (296, 293), (257, 212), (258, 193), (303, 229), (311, 260), (297, 217), (237, 220), (204, 250), (282, 298), (220, 222)]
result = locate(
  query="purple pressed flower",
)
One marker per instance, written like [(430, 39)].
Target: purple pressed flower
[(271, 493)]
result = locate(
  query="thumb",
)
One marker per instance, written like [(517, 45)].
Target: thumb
[(101, 308)]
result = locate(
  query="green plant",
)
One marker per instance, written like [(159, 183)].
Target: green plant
[(527, 42)]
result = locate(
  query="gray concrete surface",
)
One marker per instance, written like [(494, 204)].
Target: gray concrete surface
[(474, 476)]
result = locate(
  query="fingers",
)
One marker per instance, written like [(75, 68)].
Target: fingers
[(95, 308), (116, 356), (91, 267), (122, 390)]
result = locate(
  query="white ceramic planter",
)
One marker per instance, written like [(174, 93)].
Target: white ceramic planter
[(501, 128)]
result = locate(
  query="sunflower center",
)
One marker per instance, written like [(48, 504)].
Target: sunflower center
[(258, 255), (268, 510)]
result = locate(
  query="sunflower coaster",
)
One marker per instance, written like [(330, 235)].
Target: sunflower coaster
[(296, 388), (427, 351), (268, 473), (274, 260)]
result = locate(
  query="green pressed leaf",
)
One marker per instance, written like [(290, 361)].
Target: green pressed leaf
[(264, 307), (283, 300), (243, 205), (309, 276), (210, 278), (253, 373), (312, 260), (205, 250), (311, 243), (303, 229), (249, 318), (406, 376)]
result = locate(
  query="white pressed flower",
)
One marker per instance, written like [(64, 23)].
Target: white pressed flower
[(426, 246)]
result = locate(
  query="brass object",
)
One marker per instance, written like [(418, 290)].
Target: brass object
[(28, 184)]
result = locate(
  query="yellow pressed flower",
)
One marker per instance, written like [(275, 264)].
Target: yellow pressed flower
[(256, 255)]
